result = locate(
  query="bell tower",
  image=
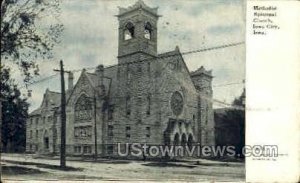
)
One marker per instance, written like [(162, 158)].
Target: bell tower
[(137, 32)]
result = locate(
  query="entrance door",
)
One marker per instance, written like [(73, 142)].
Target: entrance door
[(46, 143)]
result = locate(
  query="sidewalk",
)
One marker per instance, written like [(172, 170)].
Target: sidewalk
[(106, 169)]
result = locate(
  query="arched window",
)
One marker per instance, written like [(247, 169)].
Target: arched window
[(110, 131), (190, 141), (110, 112), (36, 121), (206, 137), (147, 30), (176, 139), (149, 104), (128, 131), (128, 73), (206, 114), (128, 105), (148, 132), (83, 109), (46, 140), (129, 31)]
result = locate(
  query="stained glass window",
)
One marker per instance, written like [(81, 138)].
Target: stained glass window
[(83, 109), (83, 131)]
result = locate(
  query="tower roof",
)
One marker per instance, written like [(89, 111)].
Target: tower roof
[(138, 5), (201, 71)]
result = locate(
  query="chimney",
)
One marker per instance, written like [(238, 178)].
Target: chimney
[(70, 81), (100, 75)]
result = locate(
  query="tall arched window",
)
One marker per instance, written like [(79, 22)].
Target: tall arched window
[(129, 31), (83, 109), (128, 105), (206, 114), (46, 140), (128, 73), (149, 104), (147, 30)]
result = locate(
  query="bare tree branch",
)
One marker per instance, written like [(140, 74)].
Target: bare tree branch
[(22, 39)]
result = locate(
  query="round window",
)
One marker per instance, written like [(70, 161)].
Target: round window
[(177, 103)]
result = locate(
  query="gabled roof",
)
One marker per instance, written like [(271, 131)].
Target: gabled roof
[(109, 80), (173, 54), (53, 100), (175, 57), (168, 54), (36, 112), (92, 78)]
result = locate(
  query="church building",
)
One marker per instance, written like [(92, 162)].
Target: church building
[(147, 97)]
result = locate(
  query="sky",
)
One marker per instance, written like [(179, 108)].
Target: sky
[(90, 38)]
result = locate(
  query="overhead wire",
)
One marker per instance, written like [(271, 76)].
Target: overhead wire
[(157, 58)]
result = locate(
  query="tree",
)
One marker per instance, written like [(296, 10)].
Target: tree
[(29, 31), (14, 109), (236, 117), (25, 37)]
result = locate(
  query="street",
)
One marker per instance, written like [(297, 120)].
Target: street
[(29, 167)]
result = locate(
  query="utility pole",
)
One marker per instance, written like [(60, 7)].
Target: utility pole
[(63, 117)]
